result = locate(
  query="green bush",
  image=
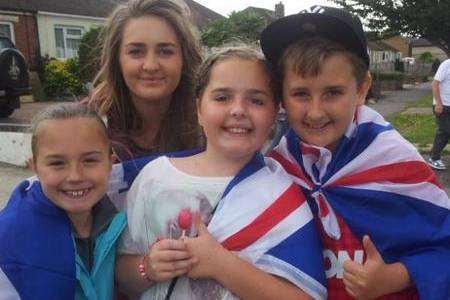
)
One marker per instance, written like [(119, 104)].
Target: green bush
[(89, 54), (390, 76), (426, 57), (62, 78)]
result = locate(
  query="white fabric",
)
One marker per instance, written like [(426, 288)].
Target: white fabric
[(443, 76), (151, 210), (157, 195), (7, 290)]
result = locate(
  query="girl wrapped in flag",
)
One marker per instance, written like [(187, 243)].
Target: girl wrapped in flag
[(259, 239), (58, 235), (363, 181)]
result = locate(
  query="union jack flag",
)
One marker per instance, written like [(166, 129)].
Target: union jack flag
[(272, 228), (375, 183)]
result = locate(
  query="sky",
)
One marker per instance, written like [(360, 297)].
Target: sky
[(224, 7)]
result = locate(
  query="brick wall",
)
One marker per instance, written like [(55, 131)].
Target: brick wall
[(27, 41)]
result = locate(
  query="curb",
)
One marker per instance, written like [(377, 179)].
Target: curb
[(15, 148)]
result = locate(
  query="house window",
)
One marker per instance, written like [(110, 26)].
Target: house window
[(67, 41), (6, 29)]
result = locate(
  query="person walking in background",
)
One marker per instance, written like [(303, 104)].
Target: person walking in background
[(441, 108)]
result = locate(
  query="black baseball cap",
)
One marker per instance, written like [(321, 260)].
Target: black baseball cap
[(332, 23)]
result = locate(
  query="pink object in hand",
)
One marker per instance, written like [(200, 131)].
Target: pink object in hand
[(184, 219)]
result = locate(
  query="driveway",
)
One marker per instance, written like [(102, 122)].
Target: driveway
[(25, 113)]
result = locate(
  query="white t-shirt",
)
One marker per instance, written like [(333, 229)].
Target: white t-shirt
[(443, 76), (155, 199)]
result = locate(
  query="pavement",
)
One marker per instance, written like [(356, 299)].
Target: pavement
[(10, 176), (390, 102), (24, 115)]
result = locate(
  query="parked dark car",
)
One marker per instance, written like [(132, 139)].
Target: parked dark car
[(14, 80)]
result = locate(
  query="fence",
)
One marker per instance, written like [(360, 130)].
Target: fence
[(418, 69)]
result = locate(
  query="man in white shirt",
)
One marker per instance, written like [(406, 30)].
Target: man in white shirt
[(441, 93)]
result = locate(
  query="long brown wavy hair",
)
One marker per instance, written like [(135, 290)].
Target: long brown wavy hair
[(179, 128)]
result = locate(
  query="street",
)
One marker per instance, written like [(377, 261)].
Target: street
[(10, 176)]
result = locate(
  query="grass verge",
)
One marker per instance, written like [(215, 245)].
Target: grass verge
[(417, 128)]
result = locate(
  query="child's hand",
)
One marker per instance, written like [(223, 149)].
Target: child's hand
[(207, 252), (374, 278), (168, 258)]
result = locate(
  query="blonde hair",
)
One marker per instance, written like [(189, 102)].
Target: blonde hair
[(63, 111), (111, 95)]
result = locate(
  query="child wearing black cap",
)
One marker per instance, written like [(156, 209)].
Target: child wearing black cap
[(363, 180)]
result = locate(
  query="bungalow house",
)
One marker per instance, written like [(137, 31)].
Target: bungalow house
[(54, 27), (382, 56), (267, 14), (421, 45), (400, 43)]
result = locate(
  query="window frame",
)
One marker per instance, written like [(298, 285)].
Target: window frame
[(11, 30), (65, 36)]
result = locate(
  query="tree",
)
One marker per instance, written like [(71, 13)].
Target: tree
[(89, 54), (244, 26), (426, 57), (429, 19)]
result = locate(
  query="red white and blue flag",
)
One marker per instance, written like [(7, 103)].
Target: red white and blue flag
[(263, 217), (375, 183)]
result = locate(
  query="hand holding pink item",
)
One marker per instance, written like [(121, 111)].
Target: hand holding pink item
[(184, 221)]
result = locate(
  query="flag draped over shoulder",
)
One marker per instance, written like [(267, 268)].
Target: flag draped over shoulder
[(37, 255), (379, 185), (265, 219)]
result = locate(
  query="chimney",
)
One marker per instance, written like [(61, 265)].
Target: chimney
[(279, 10)]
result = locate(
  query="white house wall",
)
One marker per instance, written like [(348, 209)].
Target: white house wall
[(48, 21), (435, 51)]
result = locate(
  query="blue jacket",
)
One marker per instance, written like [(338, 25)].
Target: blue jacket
[(99, 283), (37, 250)]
